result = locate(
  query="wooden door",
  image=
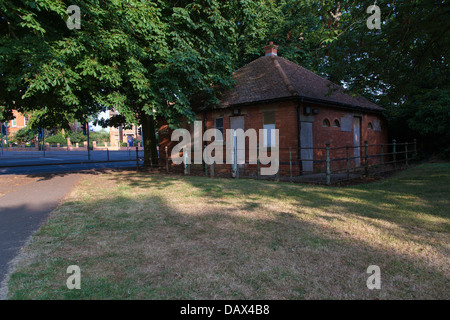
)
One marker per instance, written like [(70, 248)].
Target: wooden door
[(306, 138)]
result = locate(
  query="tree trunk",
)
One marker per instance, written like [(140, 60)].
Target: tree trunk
[(149, 136)]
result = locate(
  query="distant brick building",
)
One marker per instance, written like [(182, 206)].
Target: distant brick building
[(121, 134), (274, 93), (19, 122)]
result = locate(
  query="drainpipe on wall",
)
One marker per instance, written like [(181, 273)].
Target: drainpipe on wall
[(204, 125), (299, 127)]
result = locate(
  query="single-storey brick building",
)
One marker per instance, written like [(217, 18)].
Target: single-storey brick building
[(274, 93)]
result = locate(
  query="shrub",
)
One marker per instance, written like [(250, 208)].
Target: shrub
[(77, 137), (100, 136), (57, 138), (24, 135)]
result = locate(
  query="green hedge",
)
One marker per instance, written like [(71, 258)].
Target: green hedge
[(57, 138), (78, 137)]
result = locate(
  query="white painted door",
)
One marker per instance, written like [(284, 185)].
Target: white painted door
[(357, 140), (306, 138)]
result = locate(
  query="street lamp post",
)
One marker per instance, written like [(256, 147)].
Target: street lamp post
[(1, 129), (43, 141), (6, 131), (88, 146)]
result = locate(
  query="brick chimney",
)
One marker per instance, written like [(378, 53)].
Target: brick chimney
[(271, 49)]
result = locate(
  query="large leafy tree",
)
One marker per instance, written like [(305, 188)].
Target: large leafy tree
[(143, 59), (59, 73), (304, 29), (402, 66), (153, 58)]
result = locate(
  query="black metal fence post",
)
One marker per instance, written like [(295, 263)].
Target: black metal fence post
[(366, 158), (167, 160), (415, 148), (258, 165), (277, 175), (290, 163), (406, 153), (186, 163), (328, 164), (394, 152), (137, 159), (348, 161)]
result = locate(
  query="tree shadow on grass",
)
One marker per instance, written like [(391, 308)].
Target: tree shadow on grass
[(95, 172), (230, 240), (390, 202), (421, 222), (147, 248)]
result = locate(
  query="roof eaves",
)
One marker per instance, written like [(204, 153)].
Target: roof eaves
[(341, 105), (307, 99)]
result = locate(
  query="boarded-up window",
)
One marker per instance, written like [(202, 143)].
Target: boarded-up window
[(347, 123), (269, 125), (376, 125)]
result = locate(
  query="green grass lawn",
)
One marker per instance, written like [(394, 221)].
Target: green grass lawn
[(156, 236)]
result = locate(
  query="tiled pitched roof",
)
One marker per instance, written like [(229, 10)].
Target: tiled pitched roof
[(272, 77)]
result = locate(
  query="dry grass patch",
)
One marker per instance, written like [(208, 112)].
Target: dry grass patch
[(144, 236)]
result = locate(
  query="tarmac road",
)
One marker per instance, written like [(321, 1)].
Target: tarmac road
[(31, 187), (69, 167)]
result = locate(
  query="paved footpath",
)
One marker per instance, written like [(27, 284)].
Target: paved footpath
[(25, 203)]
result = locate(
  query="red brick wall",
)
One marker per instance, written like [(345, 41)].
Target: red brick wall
[(287, 123), (338, 138), (20, 123)]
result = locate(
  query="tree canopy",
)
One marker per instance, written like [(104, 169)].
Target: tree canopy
[(152, 58), (403, 66), (141, 58)]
